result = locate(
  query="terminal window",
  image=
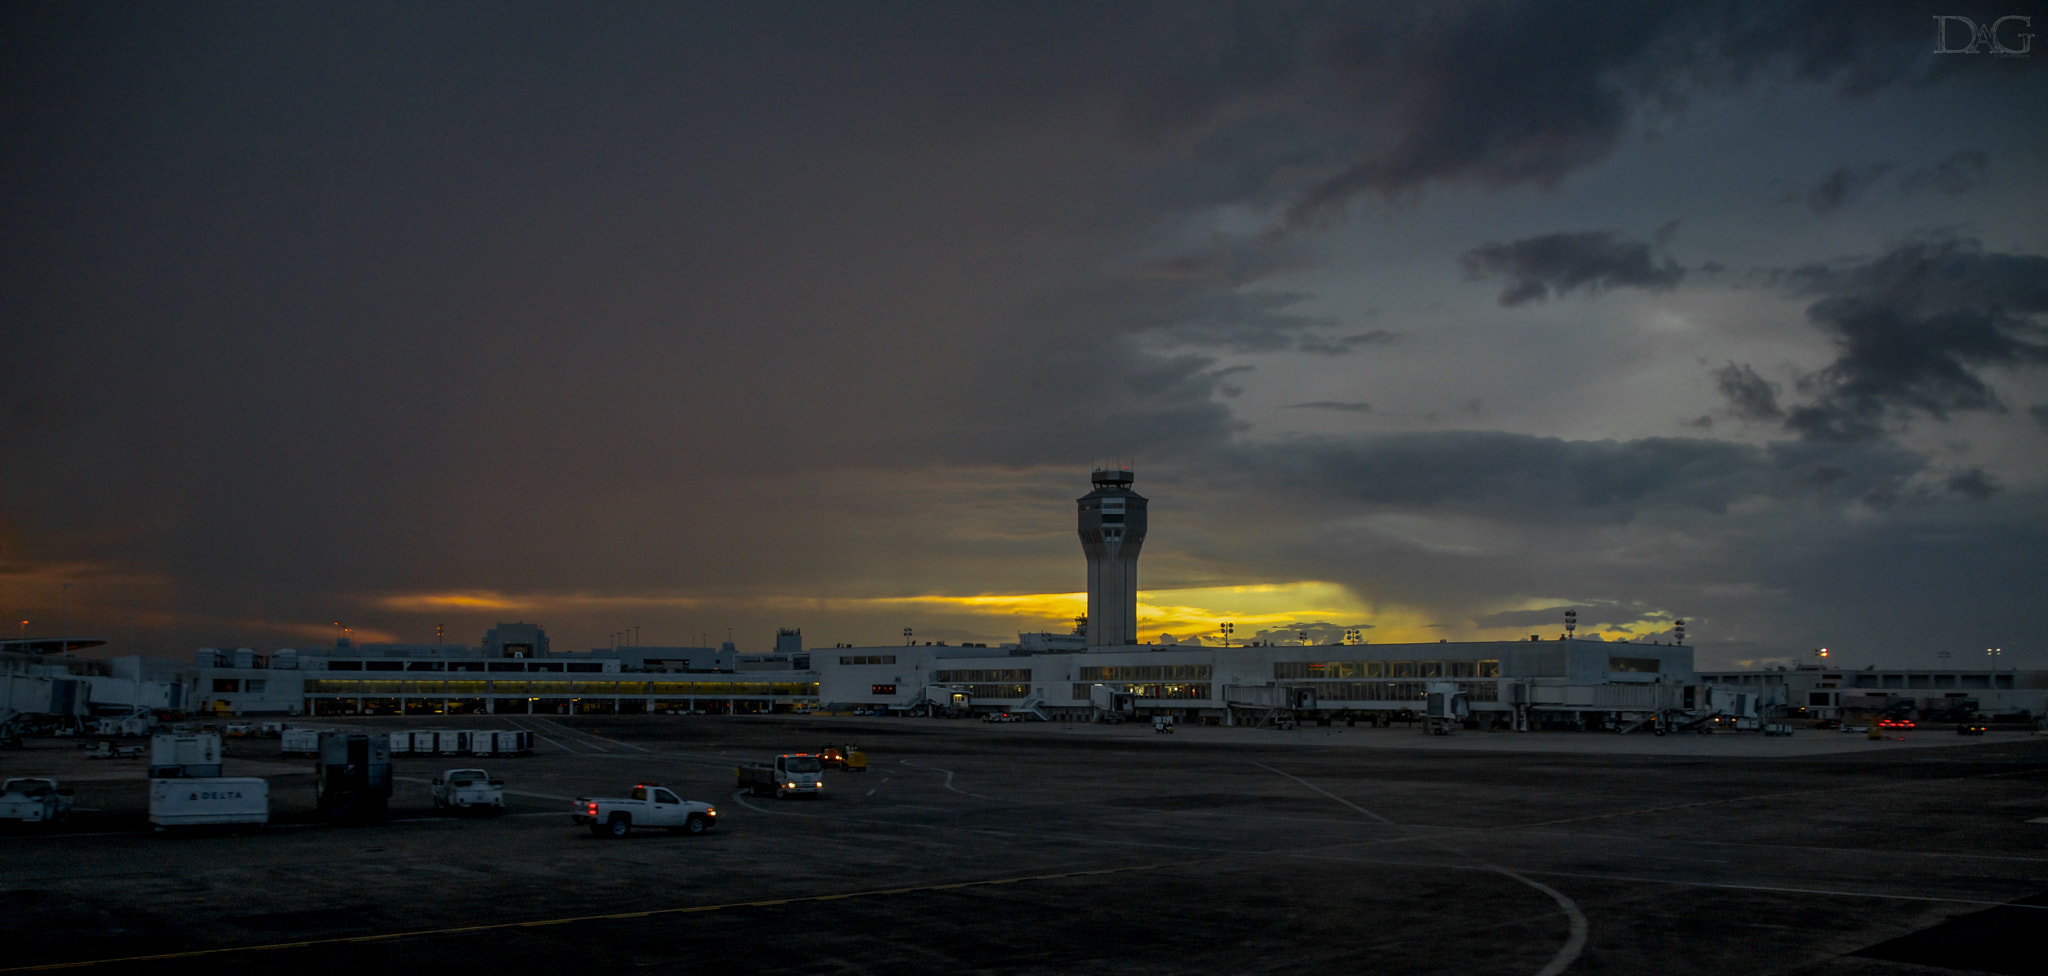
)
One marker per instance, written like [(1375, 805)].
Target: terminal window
[(881, 689), (867, 659), (1633, 665)]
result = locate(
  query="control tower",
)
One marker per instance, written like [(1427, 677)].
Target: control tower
[(1112, 532)]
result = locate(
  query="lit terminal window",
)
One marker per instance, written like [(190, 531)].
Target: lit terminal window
[(881, 689)]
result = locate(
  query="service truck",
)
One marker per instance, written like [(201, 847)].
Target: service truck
[(650, 805), (791, 774), (34, 799), (469, 789), (206, 800)]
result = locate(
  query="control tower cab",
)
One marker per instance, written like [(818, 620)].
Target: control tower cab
[(1112, 523)]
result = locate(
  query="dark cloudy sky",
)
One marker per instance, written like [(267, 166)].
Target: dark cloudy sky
[(1432, 319)]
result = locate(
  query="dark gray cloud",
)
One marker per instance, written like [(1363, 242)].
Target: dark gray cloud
[(1552, 618), (1557, 264), (1460, 92), (1973, 483), (1913, 329), (1342, 406), (2039, 412), (1500, 475), (1750, 397), (1344, 344), (1844, 186), (1956, 174)]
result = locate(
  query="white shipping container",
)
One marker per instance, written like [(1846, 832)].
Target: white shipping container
[(401, 743), (299, 742), (514, 743), (423, 743), (184, 749), (482, 743), (452, 743), (209, 800)]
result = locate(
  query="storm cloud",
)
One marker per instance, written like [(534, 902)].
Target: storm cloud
[(1558, 264), (1914, 329)]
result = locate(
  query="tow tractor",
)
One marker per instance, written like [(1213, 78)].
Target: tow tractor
[(850, 758)]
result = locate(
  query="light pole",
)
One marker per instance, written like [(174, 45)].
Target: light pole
[(1822, 654), (1351, 635), (907, 632), (1944, 659), (64, 614), (1228, 629), (1994, 653)]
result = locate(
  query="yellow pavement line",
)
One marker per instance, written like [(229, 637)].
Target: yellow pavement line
[(536, 923)]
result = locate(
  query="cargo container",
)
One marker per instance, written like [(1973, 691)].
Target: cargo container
[(352, 776), (299, 742), (401, 743), (423, 743), (451, 743), (518, 743), (175, 755), (209, 800), (483, 743)]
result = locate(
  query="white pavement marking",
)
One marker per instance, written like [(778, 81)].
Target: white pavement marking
[(542, 737), (949, 782), (1574, 943)]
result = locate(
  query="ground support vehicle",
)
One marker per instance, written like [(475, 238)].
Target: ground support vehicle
[(469, 789), (791, 774), (850, 758), (650, 805), (1162, 723), (34, 799), (198, 801), (352, 776), (1973, 727)]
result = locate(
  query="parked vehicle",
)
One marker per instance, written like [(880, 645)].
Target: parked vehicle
[(1973, 727), (650, 805), (1162, 723), (791, 774), (34, 799), (352, 776), (1777, 729), (1890, 722), (469, 789), (198, 801), (1002, 717)]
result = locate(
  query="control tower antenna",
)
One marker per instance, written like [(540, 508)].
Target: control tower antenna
[(1112, 527)]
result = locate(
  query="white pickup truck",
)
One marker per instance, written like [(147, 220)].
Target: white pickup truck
[(651, 805), (34, 799), (469, 789)]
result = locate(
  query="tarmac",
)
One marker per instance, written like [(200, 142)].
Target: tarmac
[(1049, 848)]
